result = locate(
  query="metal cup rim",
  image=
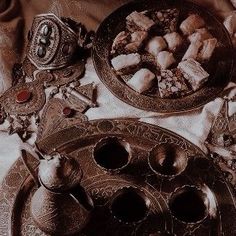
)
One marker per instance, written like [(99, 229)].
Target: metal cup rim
[(123, 143), (141, 193), (206, 213), (166, 175)]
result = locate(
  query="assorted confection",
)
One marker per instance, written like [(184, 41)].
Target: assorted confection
[(159, 35)]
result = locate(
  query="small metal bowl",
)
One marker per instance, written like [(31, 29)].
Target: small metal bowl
[(112, 154), (130, 205), (167, 160), (189, 204)]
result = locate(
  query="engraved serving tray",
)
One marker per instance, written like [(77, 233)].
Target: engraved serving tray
[(157, 191), (220, 66)]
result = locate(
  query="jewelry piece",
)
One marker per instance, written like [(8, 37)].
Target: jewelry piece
[(222, 132), (55, 56), (61, 113), (80, 96), (52, 43), (221, 142), (55, 43), (60, 77), (24, 99)]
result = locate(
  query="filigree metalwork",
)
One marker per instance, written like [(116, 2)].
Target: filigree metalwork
[(56, 55), (221, 142), (53, 41)]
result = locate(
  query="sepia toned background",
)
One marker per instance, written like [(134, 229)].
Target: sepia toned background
[(15, 20)]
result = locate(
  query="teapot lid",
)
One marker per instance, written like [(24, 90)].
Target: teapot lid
[(59, 172)]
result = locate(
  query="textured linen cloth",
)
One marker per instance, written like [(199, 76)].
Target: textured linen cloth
[(15, 20)]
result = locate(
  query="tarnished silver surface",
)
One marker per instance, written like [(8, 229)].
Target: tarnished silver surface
[(220, 67), (52, 43), (79, 140)]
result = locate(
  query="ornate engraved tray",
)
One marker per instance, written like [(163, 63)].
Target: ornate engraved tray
[(220, 66), (159, 193)]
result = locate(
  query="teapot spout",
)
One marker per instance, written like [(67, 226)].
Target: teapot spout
[(33, 151), (28, 167)]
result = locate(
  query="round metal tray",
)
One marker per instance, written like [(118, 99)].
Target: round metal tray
[(220, 66), (79, 141)]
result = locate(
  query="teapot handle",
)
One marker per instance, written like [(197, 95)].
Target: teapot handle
[(79, 194), (27, 148), (82, 197)]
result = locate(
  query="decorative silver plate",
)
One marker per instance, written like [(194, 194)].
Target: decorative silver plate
[(160, 194), (220, 66)]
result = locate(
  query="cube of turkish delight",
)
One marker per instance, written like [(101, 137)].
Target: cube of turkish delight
[(156, 45), (138, 21), (142, 80), (174, 40), (126, 61), (190, 24), (193, 72), (165, 59)]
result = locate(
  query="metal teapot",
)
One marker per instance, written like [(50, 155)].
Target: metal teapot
[(60, 206)]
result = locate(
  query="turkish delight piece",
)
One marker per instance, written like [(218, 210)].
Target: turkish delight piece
[(174, 40), (137, 21), (200, 35), (230, 23), (165, 59), (193, 72), (192, 51), (168, 19), (120, 41), (207, 50), (156, 45), (193, 22), (126, 61), (137, 39), (142, 80), (171, 83)]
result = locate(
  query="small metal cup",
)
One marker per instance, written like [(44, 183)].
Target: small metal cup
[(112, 154), (130, 205), (167, 160), (189, 204)]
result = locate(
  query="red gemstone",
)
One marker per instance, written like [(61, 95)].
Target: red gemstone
[(23, 96), (67, 111)]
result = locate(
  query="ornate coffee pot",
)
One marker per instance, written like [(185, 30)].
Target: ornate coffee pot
[(60, 206)]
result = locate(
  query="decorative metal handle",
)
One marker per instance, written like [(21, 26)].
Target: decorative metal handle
[(82, 197)]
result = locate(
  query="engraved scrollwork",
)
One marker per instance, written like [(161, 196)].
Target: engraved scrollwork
[(35, 103), (78, 141)]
